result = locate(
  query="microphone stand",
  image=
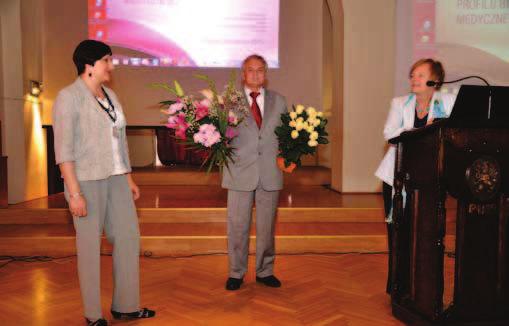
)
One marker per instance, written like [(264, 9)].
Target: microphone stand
[(433, 83)]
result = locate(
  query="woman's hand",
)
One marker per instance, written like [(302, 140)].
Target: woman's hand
[(430, 121), (78, 205), (134, 188)]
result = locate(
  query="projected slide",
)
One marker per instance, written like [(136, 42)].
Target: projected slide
[(469, 36), (186, 33)]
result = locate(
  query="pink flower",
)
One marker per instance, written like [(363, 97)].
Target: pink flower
[(207, 135), (180, 133), (178, 122), (175, 107), (232, 118), (202, 109), (231, 133)]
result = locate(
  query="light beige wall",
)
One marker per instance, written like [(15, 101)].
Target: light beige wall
[(369, 49), (334, 67), (13, 101), (1, 83), (35, 142), (23, 139), (323, 156)]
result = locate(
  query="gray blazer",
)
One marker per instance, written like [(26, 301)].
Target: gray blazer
[(256, 150), (83, 132)]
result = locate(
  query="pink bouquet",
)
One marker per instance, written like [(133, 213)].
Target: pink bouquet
[(206, 124)]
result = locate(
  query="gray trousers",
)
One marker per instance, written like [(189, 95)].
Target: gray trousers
[(110, 206), (240, 204)]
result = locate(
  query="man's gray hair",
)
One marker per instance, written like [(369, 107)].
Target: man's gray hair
[(257, 57)]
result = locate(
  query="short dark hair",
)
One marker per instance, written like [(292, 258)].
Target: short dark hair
[(436, 68), (88, 52)]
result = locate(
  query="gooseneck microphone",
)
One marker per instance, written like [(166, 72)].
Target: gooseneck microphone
[(432, 83)]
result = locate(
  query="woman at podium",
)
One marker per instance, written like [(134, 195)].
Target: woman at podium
[(415, 110)]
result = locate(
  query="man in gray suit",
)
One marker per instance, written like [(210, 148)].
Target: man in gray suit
[(254, 176)]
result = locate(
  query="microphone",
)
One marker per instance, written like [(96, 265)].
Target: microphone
[(431, 83)]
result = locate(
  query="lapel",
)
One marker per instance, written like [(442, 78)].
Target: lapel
[(91, 103), (268, 109), (431, 114), (409, 111)]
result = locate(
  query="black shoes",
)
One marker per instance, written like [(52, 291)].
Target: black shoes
[(143, 313), (233, 284), (98, 322), (270, 281)]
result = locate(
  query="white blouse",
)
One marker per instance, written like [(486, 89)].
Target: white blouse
[(119, 166)]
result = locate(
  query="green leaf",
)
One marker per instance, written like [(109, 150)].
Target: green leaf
[(169, 102), (178, 89), (164, 86)]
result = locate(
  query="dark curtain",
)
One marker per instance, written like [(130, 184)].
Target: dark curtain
[(170, 151)]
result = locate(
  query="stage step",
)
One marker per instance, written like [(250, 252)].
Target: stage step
[(193, 176), (189, 239), (185, 220), (198, 215)]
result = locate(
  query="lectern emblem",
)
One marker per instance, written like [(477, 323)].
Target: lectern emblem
[(483, 178)]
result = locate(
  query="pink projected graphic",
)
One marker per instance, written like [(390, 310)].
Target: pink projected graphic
[(424, 29), (186, 33)]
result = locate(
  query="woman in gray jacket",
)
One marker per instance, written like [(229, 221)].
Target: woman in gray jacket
[(91, 151)]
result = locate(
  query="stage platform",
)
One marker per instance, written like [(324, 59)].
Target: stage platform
[(181, 220)]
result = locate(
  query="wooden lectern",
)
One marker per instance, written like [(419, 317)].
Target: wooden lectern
[(467, 157)]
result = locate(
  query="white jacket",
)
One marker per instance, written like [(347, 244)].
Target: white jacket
[(401, 118)]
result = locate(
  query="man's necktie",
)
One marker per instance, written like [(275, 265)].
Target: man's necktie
[(255, 109)]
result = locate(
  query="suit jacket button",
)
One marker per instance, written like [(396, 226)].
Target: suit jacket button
[(259, 137), (259, 153)]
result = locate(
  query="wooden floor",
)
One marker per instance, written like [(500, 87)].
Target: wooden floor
[(317, 290)]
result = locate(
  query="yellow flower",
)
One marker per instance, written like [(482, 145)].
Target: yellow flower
[(320, 114), (317, 122), (301, 119), (312, 143), (313, 135), (292, 124), (300, 125), (293, 115), (295, 134), (311, 111), (310, 129), (299, 109)]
